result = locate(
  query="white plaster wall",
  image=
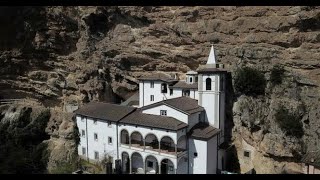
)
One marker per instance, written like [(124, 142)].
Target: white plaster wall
[(177, 92), (141, 95), (197, 94), (156, 91), (193, 120), (210, 99), (102, 145), (83, 140), (197, 165), (182, 166), (170, 112), (212, 155)]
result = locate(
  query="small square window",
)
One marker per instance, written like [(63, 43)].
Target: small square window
[(95, 136), (246, 154), (163, 112), (96, 155), (83, 151), (83, 133), (110, 140), (195, 154), (150, 164)]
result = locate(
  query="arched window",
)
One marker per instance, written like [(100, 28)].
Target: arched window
[(190, 79), (208, 84)]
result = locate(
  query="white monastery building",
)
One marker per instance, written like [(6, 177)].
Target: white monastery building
[(177, 127)]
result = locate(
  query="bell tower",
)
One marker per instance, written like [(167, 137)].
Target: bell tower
[(211, 88)]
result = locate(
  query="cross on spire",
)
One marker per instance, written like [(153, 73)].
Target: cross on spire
[(211, 58)]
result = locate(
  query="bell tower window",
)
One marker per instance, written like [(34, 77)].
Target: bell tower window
[(208, 84), (190, 80)]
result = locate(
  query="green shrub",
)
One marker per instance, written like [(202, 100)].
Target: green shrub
[(289, 122), (249, 81), (276, 75)]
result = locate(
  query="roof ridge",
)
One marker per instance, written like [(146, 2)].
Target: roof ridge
[(99, 102)]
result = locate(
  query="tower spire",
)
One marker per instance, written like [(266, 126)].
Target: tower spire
[(212, 58)]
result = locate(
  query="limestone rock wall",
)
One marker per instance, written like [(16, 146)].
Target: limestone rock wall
[(67, 56)]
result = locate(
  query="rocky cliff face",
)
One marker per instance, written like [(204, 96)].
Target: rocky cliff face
[(67, 56)]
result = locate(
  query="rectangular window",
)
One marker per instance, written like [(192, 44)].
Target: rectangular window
[(150, 164), (109, 124), (83, 151), (96, 155), (152, 98), (95, 136), (152, 84), (186, 93), (110, 140), (94, 121), (83, 133), (246, 154), (163, 112), (171, 92)]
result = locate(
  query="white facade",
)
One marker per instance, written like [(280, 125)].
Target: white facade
[(150, 92), (99, 140), (153, 150), (170, 112)]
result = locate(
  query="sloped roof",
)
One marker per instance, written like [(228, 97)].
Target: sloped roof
[(105, 111), (155, 121), (212, 56), (184, 85), (203, 131), (159, 77), (133, 100), (184, 104)]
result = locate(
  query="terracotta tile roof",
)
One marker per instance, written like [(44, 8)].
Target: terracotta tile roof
[(184, 104), (312, 158), (158, 76), (104, 111), (184, 85), (203, 131), (155, 121)]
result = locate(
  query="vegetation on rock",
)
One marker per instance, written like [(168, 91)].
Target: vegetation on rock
[(289, 122), (22, 147), (249, 81), (276, 75)]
